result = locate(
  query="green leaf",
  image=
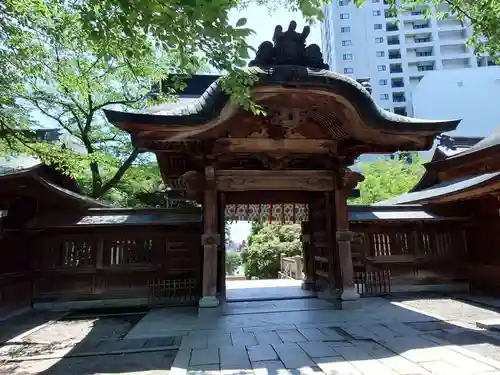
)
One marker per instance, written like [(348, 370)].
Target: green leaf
[(241, 22)]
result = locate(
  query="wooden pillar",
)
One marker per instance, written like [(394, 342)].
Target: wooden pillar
[(344, 238), (308, 281), (210, 241)]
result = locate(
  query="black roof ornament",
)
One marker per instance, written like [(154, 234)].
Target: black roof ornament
[(289, 48)]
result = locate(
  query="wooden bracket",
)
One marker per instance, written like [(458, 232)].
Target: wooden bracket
[(210, 239)]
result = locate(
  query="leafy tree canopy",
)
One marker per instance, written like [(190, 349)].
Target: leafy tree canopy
[(386, 178), (233, 261), (262, 258)]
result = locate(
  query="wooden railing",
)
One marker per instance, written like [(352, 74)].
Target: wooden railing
[(291, 267)]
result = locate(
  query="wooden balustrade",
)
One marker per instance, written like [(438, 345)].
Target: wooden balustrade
[(291, 267)]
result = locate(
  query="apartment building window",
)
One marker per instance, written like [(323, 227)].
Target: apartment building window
[(345, 29), (380, 53), (344, 16), (384, 96), (348, 71), (423, 68), (343, 3), (376, 13), (382, 82), (346, 42), (347, 56), (381, 68), (422, 40), (423, 53), (375, 1), (377, 26), (379, 40)]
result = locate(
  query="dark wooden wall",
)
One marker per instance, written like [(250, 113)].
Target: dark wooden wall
[(15, 278), (483, 241), (414, 253), (158, 263)]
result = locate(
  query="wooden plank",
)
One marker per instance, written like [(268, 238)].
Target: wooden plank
[(235, 180)]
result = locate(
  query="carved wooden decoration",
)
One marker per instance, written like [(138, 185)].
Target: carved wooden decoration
[(232, 180), (291, 146)]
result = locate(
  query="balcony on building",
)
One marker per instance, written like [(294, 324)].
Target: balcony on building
[(393, 40), (396, 68), (417, 13), (394, 54), (400, 111), (390, 26), (398, 97), (457, 63), (484, 61), (420, 54), (425, 67), (449, 24), (452, 36), (456, 51), (397, 82), (389, 14)]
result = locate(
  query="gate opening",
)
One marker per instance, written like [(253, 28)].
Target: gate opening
[(264, 258)]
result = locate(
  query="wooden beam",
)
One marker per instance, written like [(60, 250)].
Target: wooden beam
[(233, 180), (282, 146)]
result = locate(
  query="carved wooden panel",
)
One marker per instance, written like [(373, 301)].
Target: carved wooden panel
[(274, 180)]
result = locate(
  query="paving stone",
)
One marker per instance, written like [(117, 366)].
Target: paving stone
[(234, 358), (308, 370), (181, 362), (269, 337), (430, 326), (290, 335), (336, 366), (208, 356), (292, 356), (204, 370), (332, 334), (269, 368), (363, 361), (380, 331), (159, 342), (402, 329), (399, 364), (318, 349), (416, 349), (260, 353), (357, 332), (243, 338), (443, 368), (218, 340), (466, 363), (194, 342)]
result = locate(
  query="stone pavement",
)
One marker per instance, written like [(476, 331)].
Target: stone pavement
[(380, 337), (404, 336), (259, 290)]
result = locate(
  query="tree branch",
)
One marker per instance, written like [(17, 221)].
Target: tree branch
[(119, 173)]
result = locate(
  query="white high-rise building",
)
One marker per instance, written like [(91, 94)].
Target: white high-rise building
[(367, 42)]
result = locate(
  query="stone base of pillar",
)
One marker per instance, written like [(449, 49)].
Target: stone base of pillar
[(308, 283), (349, 299), (208, 301), (349, 294)]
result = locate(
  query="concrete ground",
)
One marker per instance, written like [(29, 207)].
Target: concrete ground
[(406, 336), (259, 290)]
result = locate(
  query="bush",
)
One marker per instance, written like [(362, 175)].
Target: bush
[(262, 258)]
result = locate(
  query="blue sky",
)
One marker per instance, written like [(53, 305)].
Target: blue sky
[(263, 23)]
